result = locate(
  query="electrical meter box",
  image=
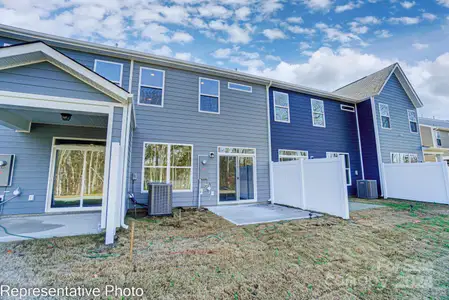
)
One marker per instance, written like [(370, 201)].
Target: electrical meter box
[(6, 169)]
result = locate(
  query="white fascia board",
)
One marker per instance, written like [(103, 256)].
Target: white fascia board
[(83, 72)]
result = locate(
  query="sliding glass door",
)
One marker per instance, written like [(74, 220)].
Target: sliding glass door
[(78, 177), (236, 174)]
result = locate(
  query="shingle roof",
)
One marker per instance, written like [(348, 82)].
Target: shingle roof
[(434, 122), (367, 86)]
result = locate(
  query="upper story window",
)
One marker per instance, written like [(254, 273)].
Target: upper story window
[(240, 87), (404, 158), (209, 98), (281, 107), (171, 163), (289, 155), (347, 164), (438, 138), (151, 87), (318, 116), (384, 116), (349, 108), (413, 121), (112, 71)]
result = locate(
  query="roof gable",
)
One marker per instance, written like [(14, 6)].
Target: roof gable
[(37, 52), (372, 85)]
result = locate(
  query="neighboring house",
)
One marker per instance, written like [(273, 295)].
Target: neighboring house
[(388, 119), (89, 123), (435, 139)]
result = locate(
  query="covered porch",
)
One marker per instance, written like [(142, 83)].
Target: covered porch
[(68, 154)]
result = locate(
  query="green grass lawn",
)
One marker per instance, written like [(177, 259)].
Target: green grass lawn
[(393, 252)]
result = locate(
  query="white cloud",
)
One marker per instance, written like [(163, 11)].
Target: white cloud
[(430, 17), (419, 46), (214, 11), (318, 4), (348, 6), (157, 33), (272, 57), (357, 28), (242, 13), (383, 34), (274, 34), (236, 34), (181, 37), (183, 55), (222, 53), (297, 20), (304, 46), (369, 20), (164, 51), (443, 2), (405, 20), (408, 4), (336, 35), (301, 30), (269, 7)]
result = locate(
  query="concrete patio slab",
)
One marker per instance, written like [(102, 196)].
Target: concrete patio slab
[(356, 206), (259, 213), (47, 226)]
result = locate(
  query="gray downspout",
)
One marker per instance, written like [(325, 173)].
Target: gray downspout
[(269, 144)]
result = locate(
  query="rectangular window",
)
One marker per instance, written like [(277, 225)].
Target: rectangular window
[(347, 164), (289, 155), (404, 158), (384, 116), (349, 108), (413, 121), (209, 98), (151, 87), (240, 87), (112, 71), (281, 107), (170, 163), (318, 117), (438, 137)]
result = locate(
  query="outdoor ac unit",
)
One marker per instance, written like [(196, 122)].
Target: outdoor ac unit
[(367, 189), (160, 198)]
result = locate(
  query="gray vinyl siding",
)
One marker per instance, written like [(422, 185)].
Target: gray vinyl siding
[(117, 124), (85, 59), (31, 169), (242, 122), (399, 138), (46, 79)]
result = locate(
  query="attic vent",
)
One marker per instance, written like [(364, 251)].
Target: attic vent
[(349, 108)]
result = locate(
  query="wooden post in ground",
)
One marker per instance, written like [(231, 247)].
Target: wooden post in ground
[(131, 241)]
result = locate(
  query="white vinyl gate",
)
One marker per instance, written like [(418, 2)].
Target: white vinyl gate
[(316, 184), (425, 182)]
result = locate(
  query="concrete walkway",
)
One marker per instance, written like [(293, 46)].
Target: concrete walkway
[(47, 226), (356, 206), (259, 213)]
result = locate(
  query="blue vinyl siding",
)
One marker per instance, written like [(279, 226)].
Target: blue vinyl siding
[(398, 138), (368, 141), (339, 135), (31, 169)]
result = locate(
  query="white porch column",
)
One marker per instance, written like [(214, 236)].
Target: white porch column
[(113, 200)]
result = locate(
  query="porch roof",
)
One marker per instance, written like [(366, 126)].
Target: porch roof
[(36, 52)]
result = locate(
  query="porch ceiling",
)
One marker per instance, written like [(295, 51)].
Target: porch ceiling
[(20, 118)]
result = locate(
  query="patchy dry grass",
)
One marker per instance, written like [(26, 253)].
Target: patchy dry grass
[(385, 253)]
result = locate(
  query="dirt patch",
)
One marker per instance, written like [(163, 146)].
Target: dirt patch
[(385, 253)]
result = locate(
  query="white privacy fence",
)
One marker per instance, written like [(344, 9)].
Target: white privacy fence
[(425, 182), (316, 184)]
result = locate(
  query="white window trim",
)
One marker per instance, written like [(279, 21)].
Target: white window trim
[(380, 114), (142, 190), (403, 154), (6, 44), (51, 176), (208, 95), (410, 121), (349, 162), (280, 106), (347, 108), (292, 156), (438, 137), (151, 86), (110, 62), (324, 113), (242, 85)]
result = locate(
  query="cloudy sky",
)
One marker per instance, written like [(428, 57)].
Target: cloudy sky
[(319, 43)]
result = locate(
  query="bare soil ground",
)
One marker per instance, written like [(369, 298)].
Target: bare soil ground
[(386, 253)]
